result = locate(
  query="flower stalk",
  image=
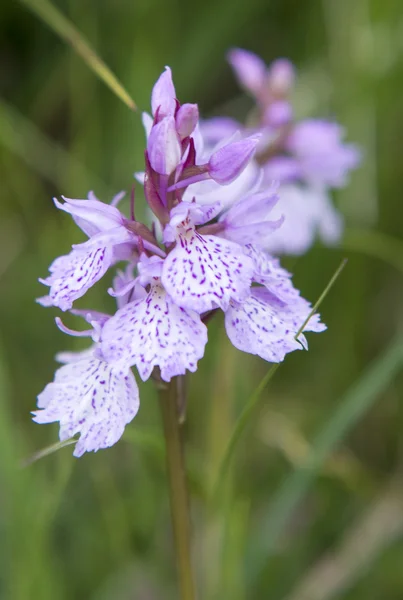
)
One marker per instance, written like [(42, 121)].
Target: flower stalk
[(180, 511)]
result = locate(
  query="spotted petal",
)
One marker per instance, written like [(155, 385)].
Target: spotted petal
[(155, 332), (278, 282), (73, 274), (269, 273), (91, 398), (266, 326), (205, 272)]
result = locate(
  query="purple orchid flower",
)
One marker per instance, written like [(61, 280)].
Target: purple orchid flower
[(307, 158), (89, 395), (205, 251), (110, 239)]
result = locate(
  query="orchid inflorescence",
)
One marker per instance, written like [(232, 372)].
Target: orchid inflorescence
[(306, 157), (216, 216)]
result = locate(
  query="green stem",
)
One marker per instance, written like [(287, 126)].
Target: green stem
[(180, 512)]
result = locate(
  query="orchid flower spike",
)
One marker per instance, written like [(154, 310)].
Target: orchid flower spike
[(204, 251), (308, 158)]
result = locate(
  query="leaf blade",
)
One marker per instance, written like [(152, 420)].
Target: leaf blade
[(353, 405), (69, 33)]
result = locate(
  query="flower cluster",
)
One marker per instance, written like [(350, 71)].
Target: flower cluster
[(209, 254), (308, 157)]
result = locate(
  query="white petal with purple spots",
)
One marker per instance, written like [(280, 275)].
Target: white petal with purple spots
[(206, 272), (155, 332), (269, 273), (73, 274), (91, 398), (266, 326)]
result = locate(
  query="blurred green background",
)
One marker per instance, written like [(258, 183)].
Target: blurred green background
[(312, 508)]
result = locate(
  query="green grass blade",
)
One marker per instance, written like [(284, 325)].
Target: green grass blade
[(322, 296), (351, 407), (240, 427), (253, 400), (47, 451), (63, 27), (143, 439)]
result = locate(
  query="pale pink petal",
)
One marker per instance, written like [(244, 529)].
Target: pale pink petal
[(248, 219), (298, 232), (323, 157), (91, 215), (91, 398), (68, 357), (307, 211), (72, 275), (206, 272), (260, 232), (207, 192), (266, 326), (155, 332)]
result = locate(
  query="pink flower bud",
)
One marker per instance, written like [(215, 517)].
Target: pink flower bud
[(163, 95), (249, 69), (186, 119), (228, 162), (163, 146), (281, 76)]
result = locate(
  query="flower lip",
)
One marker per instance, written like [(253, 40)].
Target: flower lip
[(90, 397), (203, 272), (155, 331)]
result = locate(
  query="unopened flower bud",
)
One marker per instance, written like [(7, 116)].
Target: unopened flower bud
[(249, 69), (163, 95), (280, 77), (228, 162), (164, 149), (186, 119)]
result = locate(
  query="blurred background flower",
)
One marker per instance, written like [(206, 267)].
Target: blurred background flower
[(99, 528)]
